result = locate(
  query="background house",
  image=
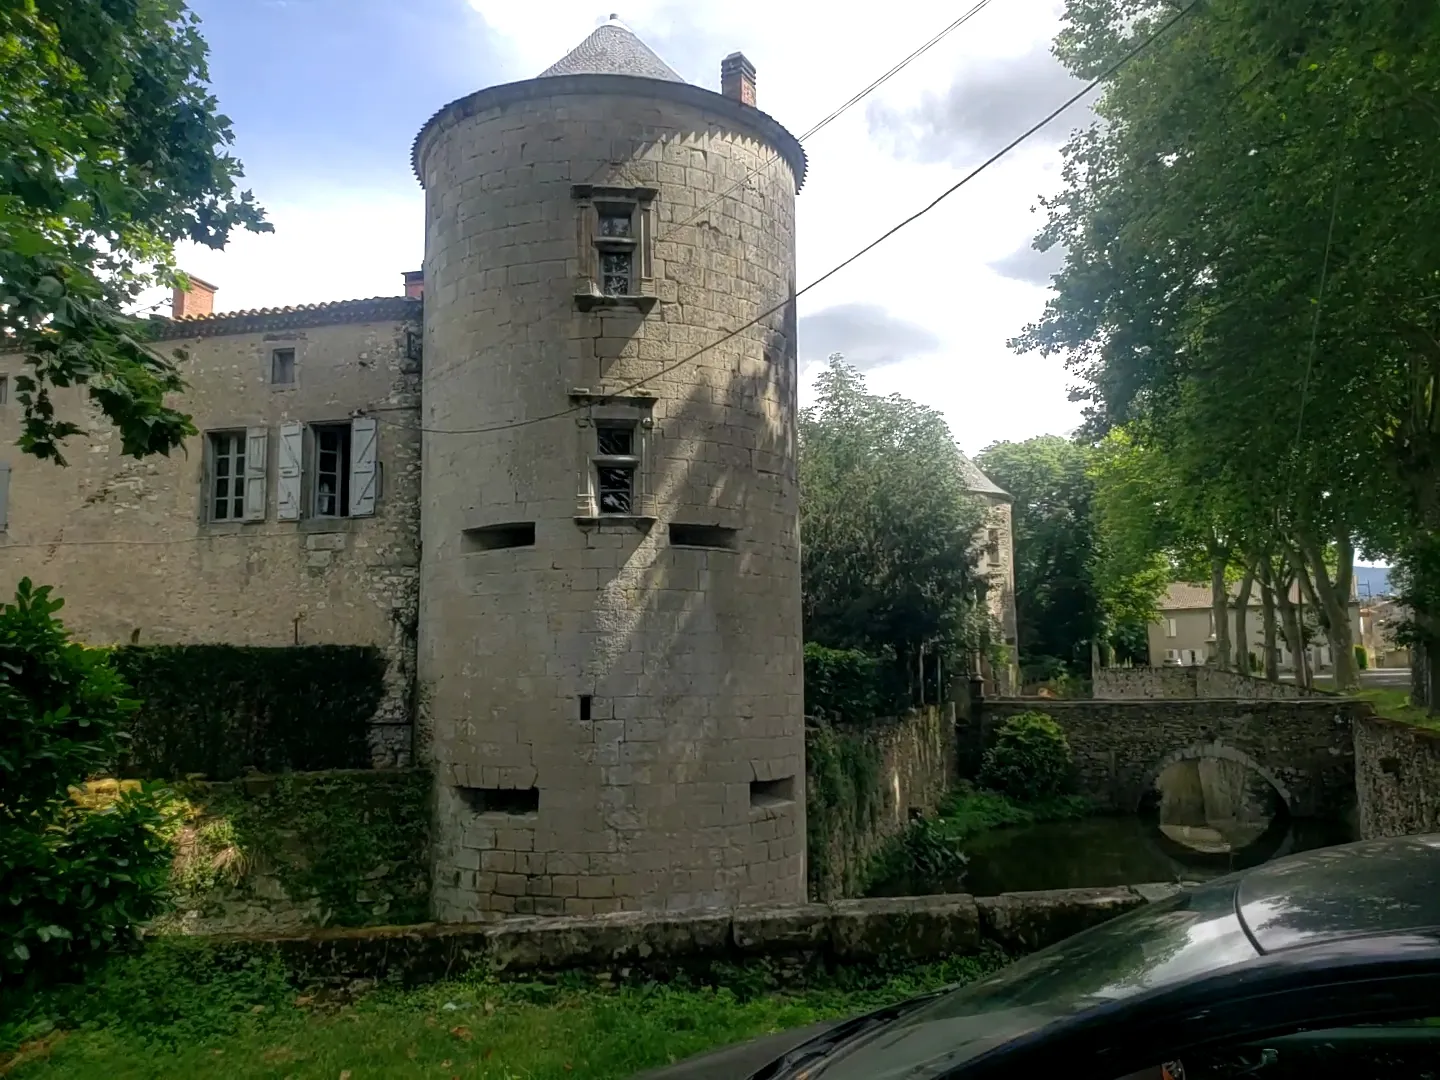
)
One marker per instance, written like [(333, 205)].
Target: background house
[(1183, 632)]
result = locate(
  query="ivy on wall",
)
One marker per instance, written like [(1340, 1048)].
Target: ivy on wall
[(220, 710), (353, 844), (842, 800)]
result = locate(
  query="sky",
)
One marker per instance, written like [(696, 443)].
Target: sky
[(326, 96)]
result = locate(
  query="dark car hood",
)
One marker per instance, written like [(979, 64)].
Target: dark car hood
[(739, 1061)]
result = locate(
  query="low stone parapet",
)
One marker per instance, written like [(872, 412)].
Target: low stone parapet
[(911, 928)]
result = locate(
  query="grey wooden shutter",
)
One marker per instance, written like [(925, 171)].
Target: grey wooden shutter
[(292, 439), (364, 470), (257, 441), (4, 495)]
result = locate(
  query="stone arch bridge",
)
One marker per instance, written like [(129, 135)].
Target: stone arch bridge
[(1304, 747)]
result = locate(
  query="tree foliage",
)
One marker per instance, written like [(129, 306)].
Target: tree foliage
[(75, 881), (1252, 240), (888, 527), (111, 151), (1058, 607)]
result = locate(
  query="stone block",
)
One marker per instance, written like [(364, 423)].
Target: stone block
[(1026, 921), (906, 927), (782, 928)]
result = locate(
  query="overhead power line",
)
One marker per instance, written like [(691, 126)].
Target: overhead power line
[(1029, 132)]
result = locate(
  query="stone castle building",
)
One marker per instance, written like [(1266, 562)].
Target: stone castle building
[(996, 542), (555, 482)]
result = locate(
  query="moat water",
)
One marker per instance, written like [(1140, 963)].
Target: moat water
[(1103, 851), (1203, 820)]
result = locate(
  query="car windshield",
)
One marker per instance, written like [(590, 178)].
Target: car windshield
[(1185, 935)]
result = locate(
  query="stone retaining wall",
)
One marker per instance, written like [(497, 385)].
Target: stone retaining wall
[(847, 931), (1397, 778), (865, 784), (1150, 683)]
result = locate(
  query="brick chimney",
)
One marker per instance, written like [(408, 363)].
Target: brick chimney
[(414, 284), (737, 79), (198, 300)]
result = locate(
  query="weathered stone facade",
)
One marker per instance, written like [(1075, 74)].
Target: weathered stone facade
[(614, 684), (913, 762), (1151, 683), (1397, 778), (1305, 749), (136, 550)]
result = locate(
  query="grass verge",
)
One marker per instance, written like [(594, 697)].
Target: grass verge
[(171, 1012), (1395, 705)]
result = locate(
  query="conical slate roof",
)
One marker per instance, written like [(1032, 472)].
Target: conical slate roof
[(977, 481), (612, 50)]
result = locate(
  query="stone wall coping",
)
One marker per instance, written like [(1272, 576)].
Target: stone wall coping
[(1419, 731), (746, 118), (889, 928)]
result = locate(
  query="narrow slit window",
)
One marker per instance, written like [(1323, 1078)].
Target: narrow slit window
[(992, 545), (4, 389), (227, 476), (512, 534), (502, 800), (282, 367), (332, 471), (586, 705), (703, 536), (771, 793)]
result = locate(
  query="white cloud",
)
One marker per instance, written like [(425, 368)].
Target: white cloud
[(935, 276)]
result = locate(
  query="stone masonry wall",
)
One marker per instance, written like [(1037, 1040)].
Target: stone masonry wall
[(127, 543), (865, 784), (618, 717), (1150, 683), (625, 945), (1305, 748), (1397, 778)]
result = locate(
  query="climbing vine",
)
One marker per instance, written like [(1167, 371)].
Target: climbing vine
[(843, 799)]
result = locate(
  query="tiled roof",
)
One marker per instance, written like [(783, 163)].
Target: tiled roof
[(612, 50), (372, 309), (977, 481)]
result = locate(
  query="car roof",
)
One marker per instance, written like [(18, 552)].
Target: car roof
[(1373, 887)]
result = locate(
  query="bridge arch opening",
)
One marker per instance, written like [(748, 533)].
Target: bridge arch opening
[(1213, 803)]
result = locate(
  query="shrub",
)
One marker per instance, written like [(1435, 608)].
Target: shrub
[(1362, 658), (75, 879), (849, 685), (1029, 760)]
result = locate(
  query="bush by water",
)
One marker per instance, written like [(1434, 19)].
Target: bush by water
[(1030, 759)]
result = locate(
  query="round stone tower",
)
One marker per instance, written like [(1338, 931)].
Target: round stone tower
[(610, 644)]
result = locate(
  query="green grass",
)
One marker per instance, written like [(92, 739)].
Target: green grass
[(1395, 705), (968, 810), (173, 1013)]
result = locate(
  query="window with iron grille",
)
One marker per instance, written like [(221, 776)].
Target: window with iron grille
[(227, 476), (616, 463)]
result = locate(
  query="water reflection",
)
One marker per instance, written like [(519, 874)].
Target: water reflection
[(1215, 806)]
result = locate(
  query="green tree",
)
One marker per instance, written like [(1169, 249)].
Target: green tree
[(1057, 605), (75, 881), (111, 151), (1253, 248), (888, 529)]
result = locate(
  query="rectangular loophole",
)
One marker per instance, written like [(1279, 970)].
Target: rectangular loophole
[(585, 704), (703, 536), (484, 800), (765, 793), (512, 534)]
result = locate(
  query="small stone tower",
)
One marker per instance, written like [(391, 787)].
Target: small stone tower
[(610, 655)]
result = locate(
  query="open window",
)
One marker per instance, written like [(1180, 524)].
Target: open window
[(329, 471)]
